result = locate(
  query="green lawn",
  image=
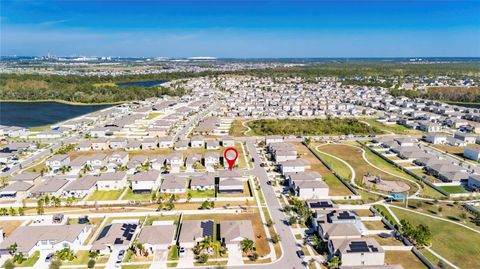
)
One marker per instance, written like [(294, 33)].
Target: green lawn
[(151, 219), (30, 261), (457, 244), (173, 253), (385, 213), (105, 195), (202, 194), (394, 128), (130, 195), (82, 258), (453, 189), (340, 168)]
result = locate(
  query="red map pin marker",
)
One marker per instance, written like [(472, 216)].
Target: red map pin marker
[(231, 155)]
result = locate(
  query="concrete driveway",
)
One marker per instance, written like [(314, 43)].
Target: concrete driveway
[(112, 259), (187, 260), (234, 255), (159, 259)]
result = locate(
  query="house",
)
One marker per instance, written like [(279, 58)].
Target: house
[(157, 162), (230, 185), (56, 162), (49, 238), (436, 138), (285, 155), (474, 182), (331, 231), (118, 235), (301, 176), (78, 164), (472, 153), (194, 231), (149, 144), (26, 177), (173, 184), (81, 187), (227, 141), (273, 139), (157, 237), (211, 160), (100, 144), (203, 182), (175, 161), (117, 159), (212, 144), (133, 145), (111, 181), (359, 252), (16, 189), (469, 138), (84, 146), (136, 161), (234, 231), (97, 161), (145, 182), (51, 186), (197, 142), (181, 145), (191, 161), (293, 166), (165, 142), (311, 189), (118, 143)]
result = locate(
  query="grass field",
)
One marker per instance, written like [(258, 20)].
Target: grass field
[(457, 244), (333, 126), (336, 187), (153, 115), (30, 261), (353, 156), (82, 258), (202, 194), (453, 189), (340, 168), (237, 129), (391, 128), (105, 195), (151, 219), (406, 258)]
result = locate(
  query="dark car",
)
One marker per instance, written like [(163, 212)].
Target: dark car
[(262, 165), (300, 254), (49, 257)]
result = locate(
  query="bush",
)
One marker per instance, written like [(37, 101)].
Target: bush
[(91, 263), (8, 264)]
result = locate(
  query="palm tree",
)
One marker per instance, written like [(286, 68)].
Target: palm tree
[(93, 254), (334, 263), (247, 245), (12, 249)]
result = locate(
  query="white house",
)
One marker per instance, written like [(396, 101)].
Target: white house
[(197, 142), (472, 153), (49, 238), (111, 181), (194, 231), (57, 161), (146, 181), (436, 138), (158, 236), (80, 187), (173, 184), (294, 166), (203, 182)]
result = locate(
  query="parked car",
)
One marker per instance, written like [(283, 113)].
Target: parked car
[(118, 264), (121, 254), (182, 251), (262, 165), (49, 257), (300, 254)]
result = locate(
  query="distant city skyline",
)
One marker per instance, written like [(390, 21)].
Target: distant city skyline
[(241, 29)]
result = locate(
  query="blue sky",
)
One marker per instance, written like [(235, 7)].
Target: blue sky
[(281, 28)]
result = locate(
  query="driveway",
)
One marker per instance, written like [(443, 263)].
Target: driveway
[(159, 259), (112, 259), (234, 255), (187, 260)]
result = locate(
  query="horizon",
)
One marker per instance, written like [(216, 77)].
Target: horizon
[(242, 29)]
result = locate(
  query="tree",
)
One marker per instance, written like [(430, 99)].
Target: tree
[(423, 235), (12, 211), (21, 211), (276, 238), (18, 258), (12, 249), (254, 256), (334, 263), (3, 211), (65, 254), (55, 264), (40, 208), (93, 254), (247, 245), (189, 197)]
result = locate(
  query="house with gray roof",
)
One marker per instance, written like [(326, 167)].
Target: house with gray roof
[(155, 237), (203, 182), (173, 184), (16, 189), (80, 187), (194, 231), (46, 238), (232, 232), (363, 252), (111, 181), (117, 235), (145, 182), (51, 186), (56, 162), (26, 177)]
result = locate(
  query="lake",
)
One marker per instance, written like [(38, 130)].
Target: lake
[(145, 83), (30, 114)]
